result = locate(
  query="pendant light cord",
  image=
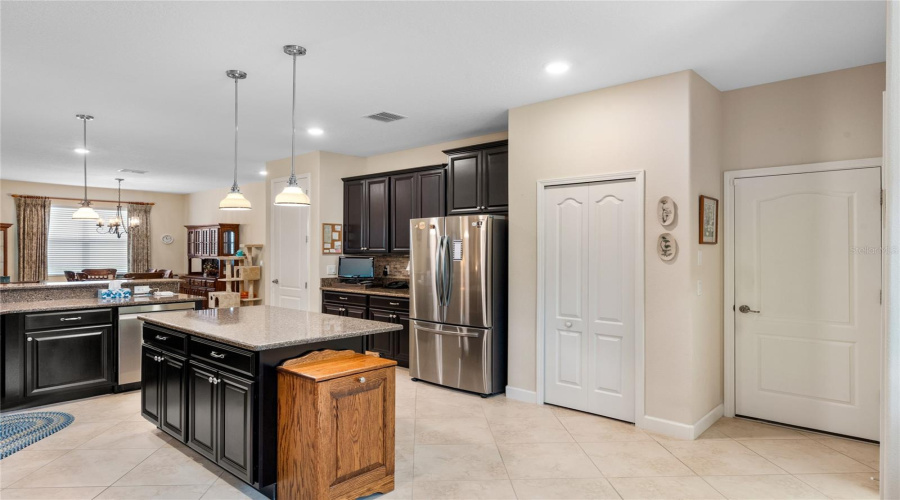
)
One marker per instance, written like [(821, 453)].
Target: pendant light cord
[(234, 187), (292, 181), (85, 202)]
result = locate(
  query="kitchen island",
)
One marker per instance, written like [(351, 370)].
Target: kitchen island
[(210, 381)]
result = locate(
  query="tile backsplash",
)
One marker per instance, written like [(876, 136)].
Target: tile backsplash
[(396, 265)]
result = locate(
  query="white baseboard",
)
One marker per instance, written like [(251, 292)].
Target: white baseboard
[(523, 395), (679, 430)]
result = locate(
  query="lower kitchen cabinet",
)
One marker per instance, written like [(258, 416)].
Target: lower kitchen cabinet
[(68, 359), (220, 406), (390, 345), (163, 391)]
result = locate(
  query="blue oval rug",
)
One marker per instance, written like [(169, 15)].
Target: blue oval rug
[(22, 429)]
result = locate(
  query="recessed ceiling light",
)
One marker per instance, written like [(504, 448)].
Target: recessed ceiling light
[(315, 131), (263, 172), (82, 151), (557, 67)]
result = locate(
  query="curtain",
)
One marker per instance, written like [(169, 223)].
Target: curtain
[(139, 239), (33, 220)]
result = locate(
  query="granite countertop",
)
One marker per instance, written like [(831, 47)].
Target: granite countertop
[(387, 292), (92, 303), (259, 328), (79, 284)]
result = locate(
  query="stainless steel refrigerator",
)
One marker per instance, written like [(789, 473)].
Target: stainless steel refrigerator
[(458, 302)]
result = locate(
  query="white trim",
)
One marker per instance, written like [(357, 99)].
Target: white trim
[(679, 430), (271, 238), (728, 304), (638, 177), (523, 395)]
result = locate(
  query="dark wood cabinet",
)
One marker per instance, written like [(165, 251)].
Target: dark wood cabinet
[(220, 406), (414, 195), (366, 224), (212, 240), (382, 343), (401, 351), (68, 359), (430, 194), (390, 345), (163, 391), (201, 286), (477, 179)]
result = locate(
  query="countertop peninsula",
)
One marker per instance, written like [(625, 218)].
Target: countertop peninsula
[(89, 303), (260, 328)]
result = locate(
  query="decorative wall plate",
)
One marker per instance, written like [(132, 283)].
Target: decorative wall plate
[(666, 211), (666, 247), (168, 239)]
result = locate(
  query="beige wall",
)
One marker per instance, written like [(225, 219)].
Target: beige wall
[(639, 126), (166, 217), (826, 117)]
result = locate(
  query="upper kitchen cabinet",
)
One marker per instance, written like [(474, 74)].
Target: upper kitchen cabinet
[(477, 179), (366, 215), (377, 209), (213, 240)]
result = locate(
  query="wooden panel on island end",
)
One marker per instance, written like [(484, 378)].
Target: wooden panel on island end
[(335, 426)]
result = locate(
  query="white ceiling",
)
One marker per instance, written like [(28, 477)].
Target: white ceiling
[(153, 73)]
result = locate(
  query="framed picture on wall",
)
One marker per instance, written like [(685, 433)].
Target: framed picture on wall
[(709, 220), (332, 237)]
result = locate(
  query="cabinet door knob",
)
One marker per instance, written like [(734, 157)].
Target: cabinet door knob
[(210, 379), (362, 380), (216, 381), (30, 339), (275, 281)]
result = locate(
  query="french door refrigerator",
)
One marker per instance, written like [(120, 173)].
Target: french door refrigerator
[(458, 302)]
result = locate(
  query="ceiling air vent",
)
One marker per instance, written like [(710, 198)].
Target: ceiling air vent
[(132, 171), (386, 117)]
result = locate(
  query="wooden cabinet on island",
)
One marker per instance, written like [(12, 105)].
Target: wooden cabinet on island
[(227, 395)]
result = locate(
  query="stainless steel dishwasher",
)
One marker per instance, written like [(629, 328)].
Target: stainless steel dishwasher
[(130, 339)]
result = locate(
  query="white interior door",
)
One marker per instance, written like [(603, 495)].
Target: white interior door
[(807, 343), (589, 242), (290, 251)]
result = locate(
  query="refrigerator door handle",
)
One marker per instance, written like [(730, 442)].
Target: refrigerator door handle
[(439, 270), (452, 334), (447, 269)]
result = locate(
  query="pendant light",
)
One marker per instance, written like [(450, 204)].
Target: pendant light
[(292, 195), (116, 225), (235, 199), (85, 212)]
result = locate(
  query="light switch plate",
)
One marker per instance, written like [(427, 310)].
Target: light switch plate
[(332, 270)]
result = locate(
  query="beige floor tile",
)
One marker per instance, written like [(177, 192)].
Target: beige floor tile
[(592, 429), (674, 488), (24, 462), (83, 493), (74, 435), (805, 456), (564, 489), (498, 489), (634, 459), (708, 434), (716, 457), (500, 408), (107, 408), (865, 453), (228, 487), (737, 428), (529, 430), (404, 461), (403, 490), (405, 408), (172, 467), (404, 429), (458, 462), (453, 431), (844, 486), (424, 390), (560, 411), (128, 435), (547, 461), (192, 492), (451, 407), (775, 487), (84, 468)]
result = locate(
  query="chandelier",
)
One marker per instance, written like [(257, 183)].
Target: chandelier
[(116, 225)]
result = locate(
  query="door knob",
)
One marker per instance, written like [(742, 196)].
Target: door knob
[(746, 309), (275, 281), (568, 324), (362, 380)]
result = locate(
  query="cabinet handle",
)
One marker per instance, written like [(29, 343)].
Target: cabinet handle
[(362, 380), (343, 298), (216, 381), (341, 309), (216, 355), (30, 339), (394, 303), (162, 337), (210, 379), (70, 319), (160, 359)]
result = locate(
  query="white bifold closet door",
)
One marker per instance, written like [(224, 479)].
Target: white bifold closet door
[(589, 243)]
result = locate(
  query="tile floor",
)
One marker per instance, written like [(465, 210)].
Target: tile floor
[(455, 445)]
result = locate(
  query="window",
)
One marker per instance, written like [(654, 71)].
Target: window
[(74, 245)]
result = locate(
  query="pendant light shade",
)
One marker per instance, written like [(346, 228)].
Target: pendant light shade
[(292, 195), (235, 199), (85, 212)]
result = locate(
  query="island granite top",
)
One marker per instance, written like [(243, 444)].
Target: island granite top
[(88, 303), (258, 328)]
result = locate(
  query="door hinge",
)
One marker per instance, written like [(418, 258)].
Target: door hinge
[(880, 296), (305, 285), (307, 239), (882, 197)]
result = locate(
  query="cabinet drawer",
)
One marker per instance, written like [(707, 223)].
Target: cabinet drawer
[(393, 303), (219, 355), (344, 298), (165, 339), (68, 319)]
